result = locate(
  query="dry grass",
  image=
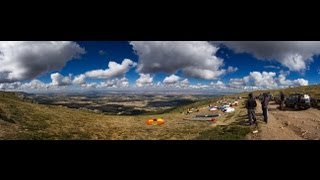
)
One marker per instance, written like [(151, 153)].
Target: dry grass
[(34, 121)]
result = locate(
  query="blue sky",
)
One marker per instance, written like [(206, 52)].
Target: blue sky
[(119, 50), (114, 51), (218, 65)]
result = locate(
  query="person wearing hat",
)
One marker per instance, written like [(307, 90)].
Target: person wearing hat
[(251, 105)]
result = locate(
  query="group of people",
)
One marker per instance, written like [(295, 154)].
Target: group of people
[(251, 105)]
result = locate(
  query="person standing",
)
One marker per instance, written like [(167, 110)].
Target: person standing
[(251, 105), (265, 104), (282, 99)]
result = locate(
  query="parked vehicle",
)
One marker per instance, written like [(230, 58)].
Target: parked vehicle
[(277, 99), (315, 103), (298, 101)]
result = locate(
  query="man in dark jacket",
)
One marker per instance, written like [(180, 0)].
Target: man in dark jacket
[(282, 99), (251, 105), (264, 104)]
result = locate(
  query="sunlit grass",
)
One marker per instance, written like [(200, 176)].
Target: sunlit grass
[(25, 120)]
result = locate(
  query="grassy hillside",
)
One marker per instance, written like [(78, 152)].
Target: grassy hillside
[(22, 119)]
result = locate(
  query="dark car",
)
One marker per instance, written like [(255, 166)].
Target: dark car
[(315, 103), (298, 101), (277, 99)]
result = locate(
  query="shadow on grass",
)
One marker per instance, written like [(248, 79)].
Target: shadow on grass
[(4, 117), (226, 132), (234, 131)]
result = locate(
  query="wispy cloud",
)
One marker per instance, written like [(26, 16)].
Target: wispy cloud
[(271, 67)]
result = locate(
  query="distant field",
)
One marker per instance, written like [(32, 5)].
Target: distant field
[(119, 104)]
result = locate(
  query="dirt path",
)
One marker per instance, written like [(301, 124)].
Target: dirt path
[(287, 124)]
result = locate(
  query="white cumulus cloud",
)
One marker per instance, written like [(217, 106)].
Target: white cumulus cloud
[(265, 80), (34, 84), (194, 58), (89, 85), (10, 86), (60, 80), (218, 85), (295, 55), (114, 70), (199, 86), (237, 83), (25, 60), (79, 80), (144, 80), (300, 82), (172, 79), (184, 83), (114, 83)]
